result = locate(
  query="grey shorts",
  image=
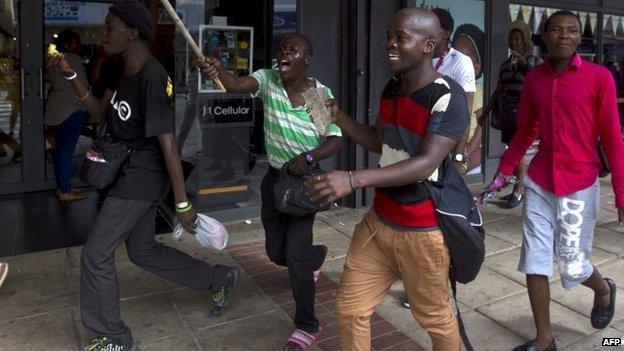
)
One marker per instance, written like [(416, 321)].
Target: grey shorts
[(559, 229)]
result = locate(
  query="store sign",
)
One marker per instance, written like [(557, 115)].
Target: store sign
[(64, 11), (227, 110)]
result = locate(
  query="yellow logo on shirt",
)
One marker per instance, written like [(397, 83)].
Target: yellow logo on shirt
[(169, 88)]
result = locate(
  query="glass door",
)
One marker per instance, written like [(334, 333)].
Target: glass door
[(74, 28), (11, 93)]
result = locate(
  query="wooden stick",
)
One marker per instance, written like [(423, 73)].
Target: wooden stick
[(189, 38)]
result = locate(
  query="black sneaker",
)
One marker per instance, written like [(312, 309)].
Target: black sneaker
[(530, 347), (222, 297), (102, 343), (514, 200)]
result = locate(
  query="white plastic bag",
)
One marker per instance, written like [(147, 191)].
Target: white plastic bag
[(210, 233)]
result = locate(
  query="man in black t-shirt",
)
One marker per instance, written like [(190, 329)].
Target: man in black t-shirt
[(138, 112)]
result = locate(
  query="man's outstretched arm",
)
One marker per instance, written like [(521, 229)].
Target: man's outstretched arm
[(333, 185), (369, 137), (212, 68)]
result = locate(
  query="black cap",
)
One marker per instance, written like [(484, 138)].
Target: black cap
[(136, 15)]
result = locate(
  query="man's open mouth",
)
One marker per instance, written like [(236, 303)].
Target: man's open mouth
[(284, 65)]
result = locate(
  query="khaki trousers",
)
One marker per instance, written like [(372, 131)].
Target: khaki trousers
[(378, 256)]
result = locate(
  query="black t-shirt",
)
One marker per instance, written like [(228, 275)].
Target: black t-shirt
[(110, 73), (140, 110)]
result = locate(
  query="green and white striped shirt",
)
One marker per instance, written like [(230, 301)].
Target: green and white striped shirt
[(288, 130)]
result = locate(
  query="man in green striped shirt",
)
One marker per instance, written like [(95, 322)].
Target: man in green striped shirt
[(290, 138)]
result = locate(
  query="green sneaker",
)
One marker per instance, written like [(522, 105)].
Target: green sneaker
[(222, 297), (102, 343)]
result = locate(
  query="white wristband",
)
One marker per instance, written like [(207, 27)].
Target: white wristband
[(72, 77)]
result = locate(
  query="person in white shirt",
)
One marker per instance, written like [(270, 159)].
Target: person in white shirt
[(458, 67)]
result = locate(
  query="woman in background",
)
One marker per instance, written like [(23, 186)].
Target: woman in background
[(506, 97), (65, 113)]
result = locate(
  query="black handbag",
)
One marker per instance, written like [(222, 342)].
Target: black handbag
[(504, 114), (291, 193), (103, 161)]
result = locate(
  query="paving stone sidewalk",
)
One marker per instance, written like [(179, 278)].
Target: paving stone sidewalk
[(39, 301)]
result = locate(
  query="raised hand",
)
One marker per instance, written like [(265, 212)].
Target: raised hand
[(210, 67), (337, 113), (59, 63)]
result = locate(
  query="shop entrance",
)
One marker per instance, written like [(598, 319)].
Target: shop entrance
[(27, 29)]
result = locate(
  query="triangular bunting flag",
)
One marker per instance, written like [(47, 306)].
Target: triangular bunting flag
[(513, 11), (583, 17), (593, 20), (539, 13), (526, 13)]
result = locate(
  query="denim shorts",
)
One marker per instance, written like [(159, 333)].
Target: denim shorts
[(559, 229)]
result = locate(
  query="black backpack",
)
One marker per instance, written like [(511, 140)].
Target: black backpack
[(460, 222), (462, 226)]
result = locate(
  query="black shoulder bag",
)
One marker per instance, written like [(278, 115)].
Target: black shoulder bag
[(462, 226), (103, 161)]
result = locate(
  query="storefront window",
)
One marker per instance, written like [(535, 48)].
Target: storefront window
[(10, 94), (221, 133), (74, 28), (613, 54)]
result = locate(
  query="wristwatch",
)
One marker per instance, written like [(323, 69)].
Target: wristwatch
[(309, 158), (463, 158), (182, 205)]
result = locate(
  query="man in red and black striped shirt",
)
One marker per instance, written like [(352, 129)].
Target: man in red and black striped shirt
[(422, 116)]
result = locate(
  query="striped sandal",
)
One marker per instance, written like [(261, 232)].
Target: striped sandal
[(301, 340)]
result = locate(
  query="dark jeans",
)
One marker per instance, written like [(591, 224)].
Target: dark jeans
[(289, 243), (66, 137), (132, 221)]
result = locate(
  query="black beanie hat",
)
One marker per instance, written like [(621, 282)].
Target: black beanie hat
[(136, 15)]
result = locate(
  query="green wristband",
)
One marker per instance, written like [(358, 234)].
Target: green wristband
[(185, 209)]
